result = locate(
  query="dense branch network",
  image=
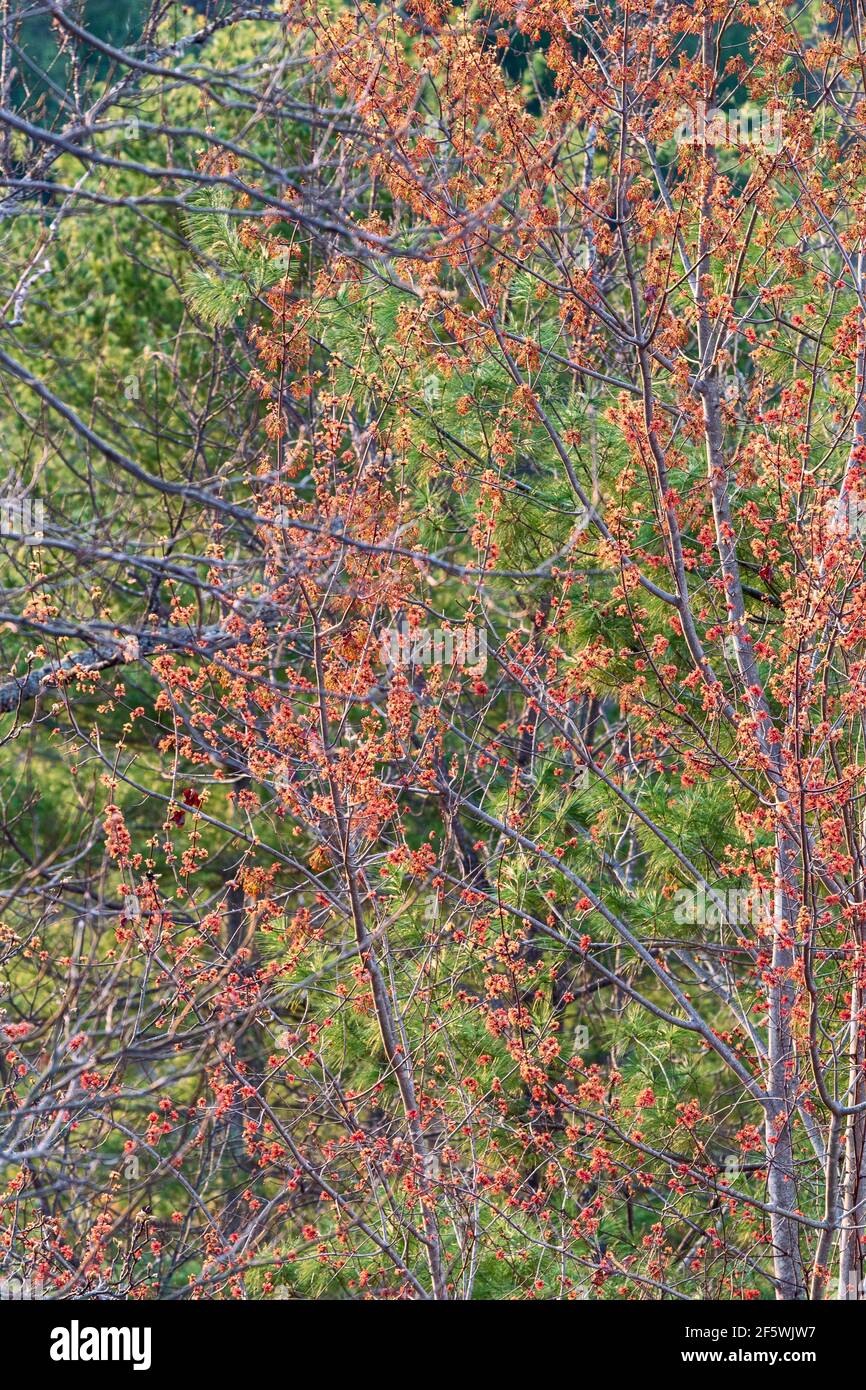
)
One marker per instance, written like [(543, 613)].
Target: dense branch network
[(432, 844)]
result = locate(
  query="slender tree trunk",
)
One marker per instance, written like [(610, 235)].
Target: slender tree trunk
[(853, 1222), (393, 1039), (823, 1252), (781, 1184)]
